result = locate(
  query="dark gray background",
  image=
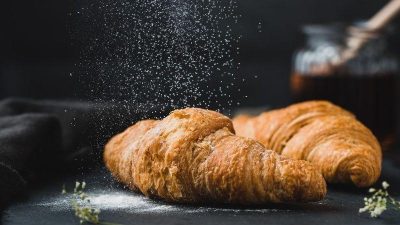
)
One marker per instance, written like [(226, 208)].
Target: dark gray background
[(37, 52)]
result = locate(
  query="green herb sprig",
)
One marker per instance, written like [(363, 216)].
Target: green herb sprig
[(380, 201), (81, 204)]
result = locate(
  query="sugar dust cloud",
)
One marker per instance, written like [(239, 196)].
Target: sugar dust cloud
[(170, 53)]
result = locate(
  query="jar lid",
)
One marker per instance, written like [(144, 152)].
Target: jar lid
[(340, 30), (332, 29)]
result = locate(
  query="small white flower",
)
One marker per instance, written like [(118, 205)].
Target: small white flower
[(64, 191), (378, 202), (83, 185), (385, 185), (378, 211), (82, 196), (363, 209)]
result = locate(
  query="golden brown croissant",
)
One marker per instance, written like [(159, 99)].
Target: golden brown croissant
[(193, 156), (322, 133)]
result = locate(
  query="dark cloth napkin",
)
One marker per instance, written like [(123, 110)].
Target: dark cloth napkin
[(39, 137)]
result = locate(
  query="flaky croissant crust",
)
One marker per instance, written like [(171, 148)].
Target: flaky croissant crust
[(322, 133), (193, 156)]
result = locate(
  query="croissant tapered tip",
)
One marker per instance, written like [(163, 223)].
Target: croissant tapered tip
[(305, 184), (363, 174)]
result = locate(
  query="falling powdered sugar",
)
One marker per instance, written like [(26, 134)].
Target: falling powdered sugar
[(169, 52), (149, 57)]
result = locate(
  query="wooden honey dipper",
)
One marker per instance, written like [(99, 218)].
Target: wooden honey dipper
[(375, 24)]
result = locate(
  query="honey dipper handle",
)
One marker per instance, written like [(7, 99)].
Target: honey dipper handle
[(384, 16)]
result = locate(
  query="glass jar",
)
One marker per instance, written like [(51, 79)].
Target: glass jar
[(364, 85)]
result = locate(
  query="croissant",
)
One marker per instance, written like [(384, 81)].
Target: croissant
[(324, 134), (193, 156)]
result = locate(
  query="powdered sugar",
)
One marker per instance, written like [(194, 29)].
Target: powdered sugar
[(136, 203), (112, 201)]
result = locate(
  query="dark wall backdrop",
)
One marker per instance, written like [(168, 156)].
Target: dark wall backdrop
[(37, 54)]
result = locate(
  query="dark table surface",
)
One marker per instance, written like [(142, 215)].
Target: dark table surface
[(46, 205)]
